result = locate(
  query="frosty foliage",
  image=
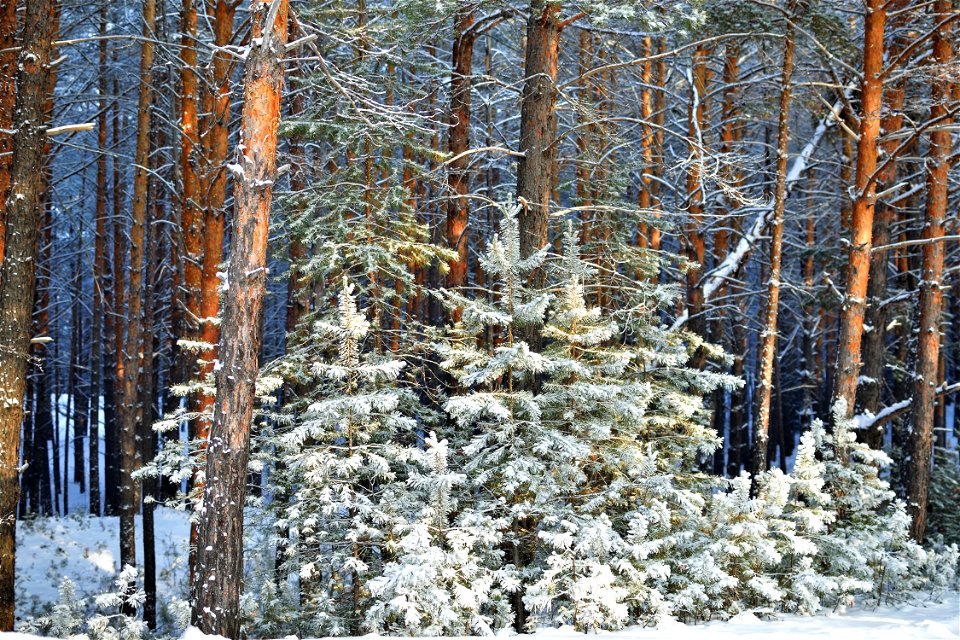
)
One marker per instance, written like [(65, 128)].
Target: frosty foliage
[(563, 474), (108, 616)]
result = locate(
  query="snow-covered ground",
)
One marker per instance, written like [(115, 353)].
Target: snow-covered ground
[(87, 551), (930, 621)]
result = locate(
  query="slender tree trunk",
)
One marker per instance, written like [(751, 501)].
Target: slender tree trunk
[(78, 392), (769, 336), (17, 273), (861, 222), (298, 301), (218, 575), (190, 211), (191, 221), (129, 451), (721, 242), (115, 322), (695, 248), (931, 292), (99, 271), (147, 436)]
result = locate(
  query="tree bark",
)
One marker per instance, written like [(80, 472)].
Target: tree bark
[(129, 451), (693, 241), (870, 384), (17, 273), (538, 127), (8, 94), (147, 437), (99, 271), (216, 142), (458, 179), (861, 215), (768, 349), (931, 293), (218, 575), (190, 210)]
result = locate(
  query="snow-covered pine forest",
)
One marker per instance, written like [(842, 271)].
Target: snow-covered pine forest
[(473, 317)]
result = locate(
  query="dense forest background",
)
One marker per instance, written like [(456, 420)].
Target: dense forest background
[(762, 196)]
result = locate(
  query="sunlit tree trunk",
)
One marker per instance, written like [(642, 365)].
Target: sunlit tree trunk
[(861, 215), (8, 93), (931, 292), (538, 126), (218, 576), (874, 338), (458, 209)]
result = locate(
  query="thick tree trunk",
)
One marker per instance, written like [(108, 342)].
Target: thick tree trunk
[(861, 220), (871, 381), (458, 180), (931, 292), (768, 338), (218, 578), (17, 273), (538, 127), (216, 139), (8, 94)]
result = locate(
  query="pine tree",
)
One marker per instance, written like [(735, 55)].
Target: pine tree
[(346, 460), (576, 442)]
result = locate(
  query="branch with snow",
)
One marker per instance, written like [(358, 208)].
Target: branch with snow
[(870, 420), (738, 256)]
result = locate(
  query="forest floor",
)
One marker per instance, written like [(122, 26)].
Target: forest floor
[(85, 550)]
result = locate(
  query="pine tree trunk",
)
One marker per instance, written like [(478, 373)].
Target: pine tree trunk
[(8, 95), (768, 338), (147, 399), (99, 272), (78, 390), (129, 450), (861, 216), (191, 220), (931, 294), (458, 179), (115, 325), (870, 385), (538, 127), (17, 273), (216, 139), (693, 240), (298, 302), (721, 242), (218, 575), (190, 211)]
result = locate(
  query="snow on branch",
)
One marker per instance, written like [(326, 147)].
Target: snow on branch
[(738, 256), (870, 420)]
